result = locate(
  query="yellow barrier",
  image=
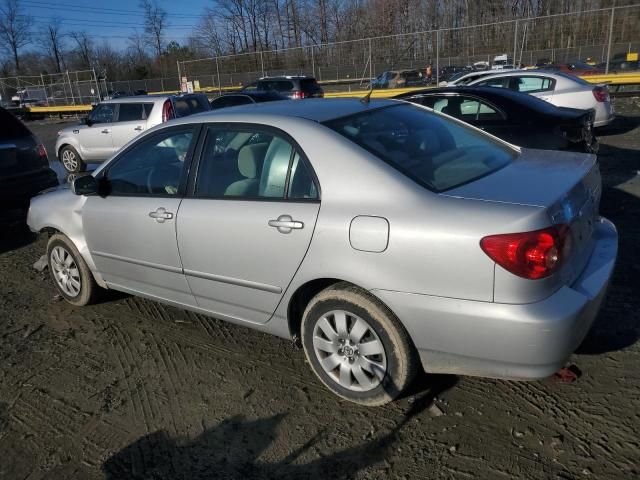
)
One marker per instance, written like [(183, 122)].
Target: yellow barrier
[(60, 109), (632, 78)]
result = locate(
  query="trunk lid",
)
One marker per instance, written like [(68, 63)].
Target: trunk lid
[(567, 185)]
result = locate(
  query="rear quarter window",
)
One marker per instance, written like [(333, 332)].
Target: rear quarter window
[(11, 127)]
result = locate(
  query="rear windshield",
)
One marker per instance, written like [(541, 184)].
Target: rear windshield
[(436, 152), (189, 105), (11, 126), (309, 84)]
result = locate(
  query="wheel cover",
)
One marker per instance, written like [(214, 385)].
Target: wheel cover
[(65, 271), (349, 351), (69, 160)]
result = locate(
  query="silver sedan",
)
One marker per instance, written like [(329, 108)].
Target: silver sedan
[(385, 237), (560, 89)]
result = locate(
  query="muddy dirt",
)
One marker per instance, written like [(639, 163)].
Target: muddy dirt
[(133, 389)]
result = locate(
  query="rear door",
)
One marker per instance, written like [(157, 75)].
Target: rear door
[(248, 222), (131, 121)]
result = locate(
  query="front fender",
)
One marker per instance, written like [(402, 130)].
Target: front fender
[(61, 210)]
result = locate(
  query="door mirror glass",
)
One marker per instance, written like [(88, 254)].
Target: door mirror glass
[(85, 185)]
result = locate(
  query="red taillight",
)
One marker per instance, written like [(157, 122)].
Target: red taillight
[(167, 111), (299, 95), (530, 255), (601, 94), (42, 152)]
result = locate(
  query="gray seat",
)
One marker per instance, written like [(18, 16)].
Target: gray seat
[(250, 159)]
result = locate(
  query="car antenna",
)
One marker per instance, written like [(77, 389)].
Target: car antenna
[(367, 97)]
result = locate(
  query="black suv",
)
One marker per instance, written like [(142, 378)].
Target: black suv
[(294, 87), (24, 166)]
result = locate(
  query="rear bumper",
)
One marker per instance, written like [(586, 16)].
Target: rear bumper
[(525, 341), (16, 191)]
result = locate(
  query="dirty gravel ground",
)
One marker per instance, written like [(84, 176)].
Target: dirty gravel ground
[(133, 389)]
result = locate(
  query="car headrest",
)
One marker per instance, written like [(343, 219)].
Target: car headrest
[(250, 158), (274, 171)]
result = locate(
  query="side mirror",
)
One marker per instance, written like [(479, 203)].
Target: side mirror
[(85, 185), (87, 121)]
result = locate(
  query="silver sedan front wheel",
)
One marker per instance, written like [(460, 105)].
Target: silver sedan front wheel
[(65, 271), (349, 351), (70, 273)]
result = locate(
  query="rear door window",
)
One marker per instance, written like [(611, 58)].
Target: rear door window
[(130, 112), (309, 85), (500, 82), (250, 163), (528, 84), (185, 106), (230, 101), (467, 109)]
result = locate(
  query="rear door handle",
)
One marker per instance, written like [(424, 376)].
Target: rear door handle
[(106, 130), (161, 215), (138, 128), (285, 224)]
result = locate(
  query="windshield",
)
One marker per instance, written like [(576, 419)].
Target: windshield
[(434, 151)]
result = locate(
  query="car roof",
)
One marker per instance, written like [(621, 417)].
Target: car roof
[(315, 109), (146, 98), (288, 77), (561, 77)]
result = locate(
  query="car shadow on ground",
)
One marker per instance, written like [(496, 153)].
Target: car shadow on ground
[(14, 233), (618, 325), (234, 449), (621, 125)]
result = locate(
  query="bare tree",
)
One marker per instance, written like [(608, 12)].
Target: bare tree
[(52, 41), (15, 29), (155, 24), (84, 47)]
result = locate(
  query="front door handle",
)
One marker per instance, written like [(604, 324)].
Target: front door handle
[(161, 215), (138, 128), (106, 130), (285, 224)]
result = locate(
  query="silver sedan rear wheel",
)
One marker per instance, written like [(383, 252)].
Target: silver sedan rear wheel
[(349, 351), (65, 271), (356, 346)]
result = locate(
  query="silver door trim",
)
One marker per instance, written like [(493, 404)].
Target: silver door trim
[(158, 266), (234, 281)]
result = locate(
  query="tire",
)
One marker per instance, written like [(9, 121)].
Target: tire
[(81, 288), (71, 160), (331, 354)]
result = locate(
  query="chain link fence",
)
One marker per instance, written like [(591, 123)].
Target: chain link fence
[(603, 36), (67, 88)]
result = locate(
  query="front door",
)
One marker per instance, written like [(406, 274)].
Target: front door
[(247, 227), (95, 139), (131, 231)]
